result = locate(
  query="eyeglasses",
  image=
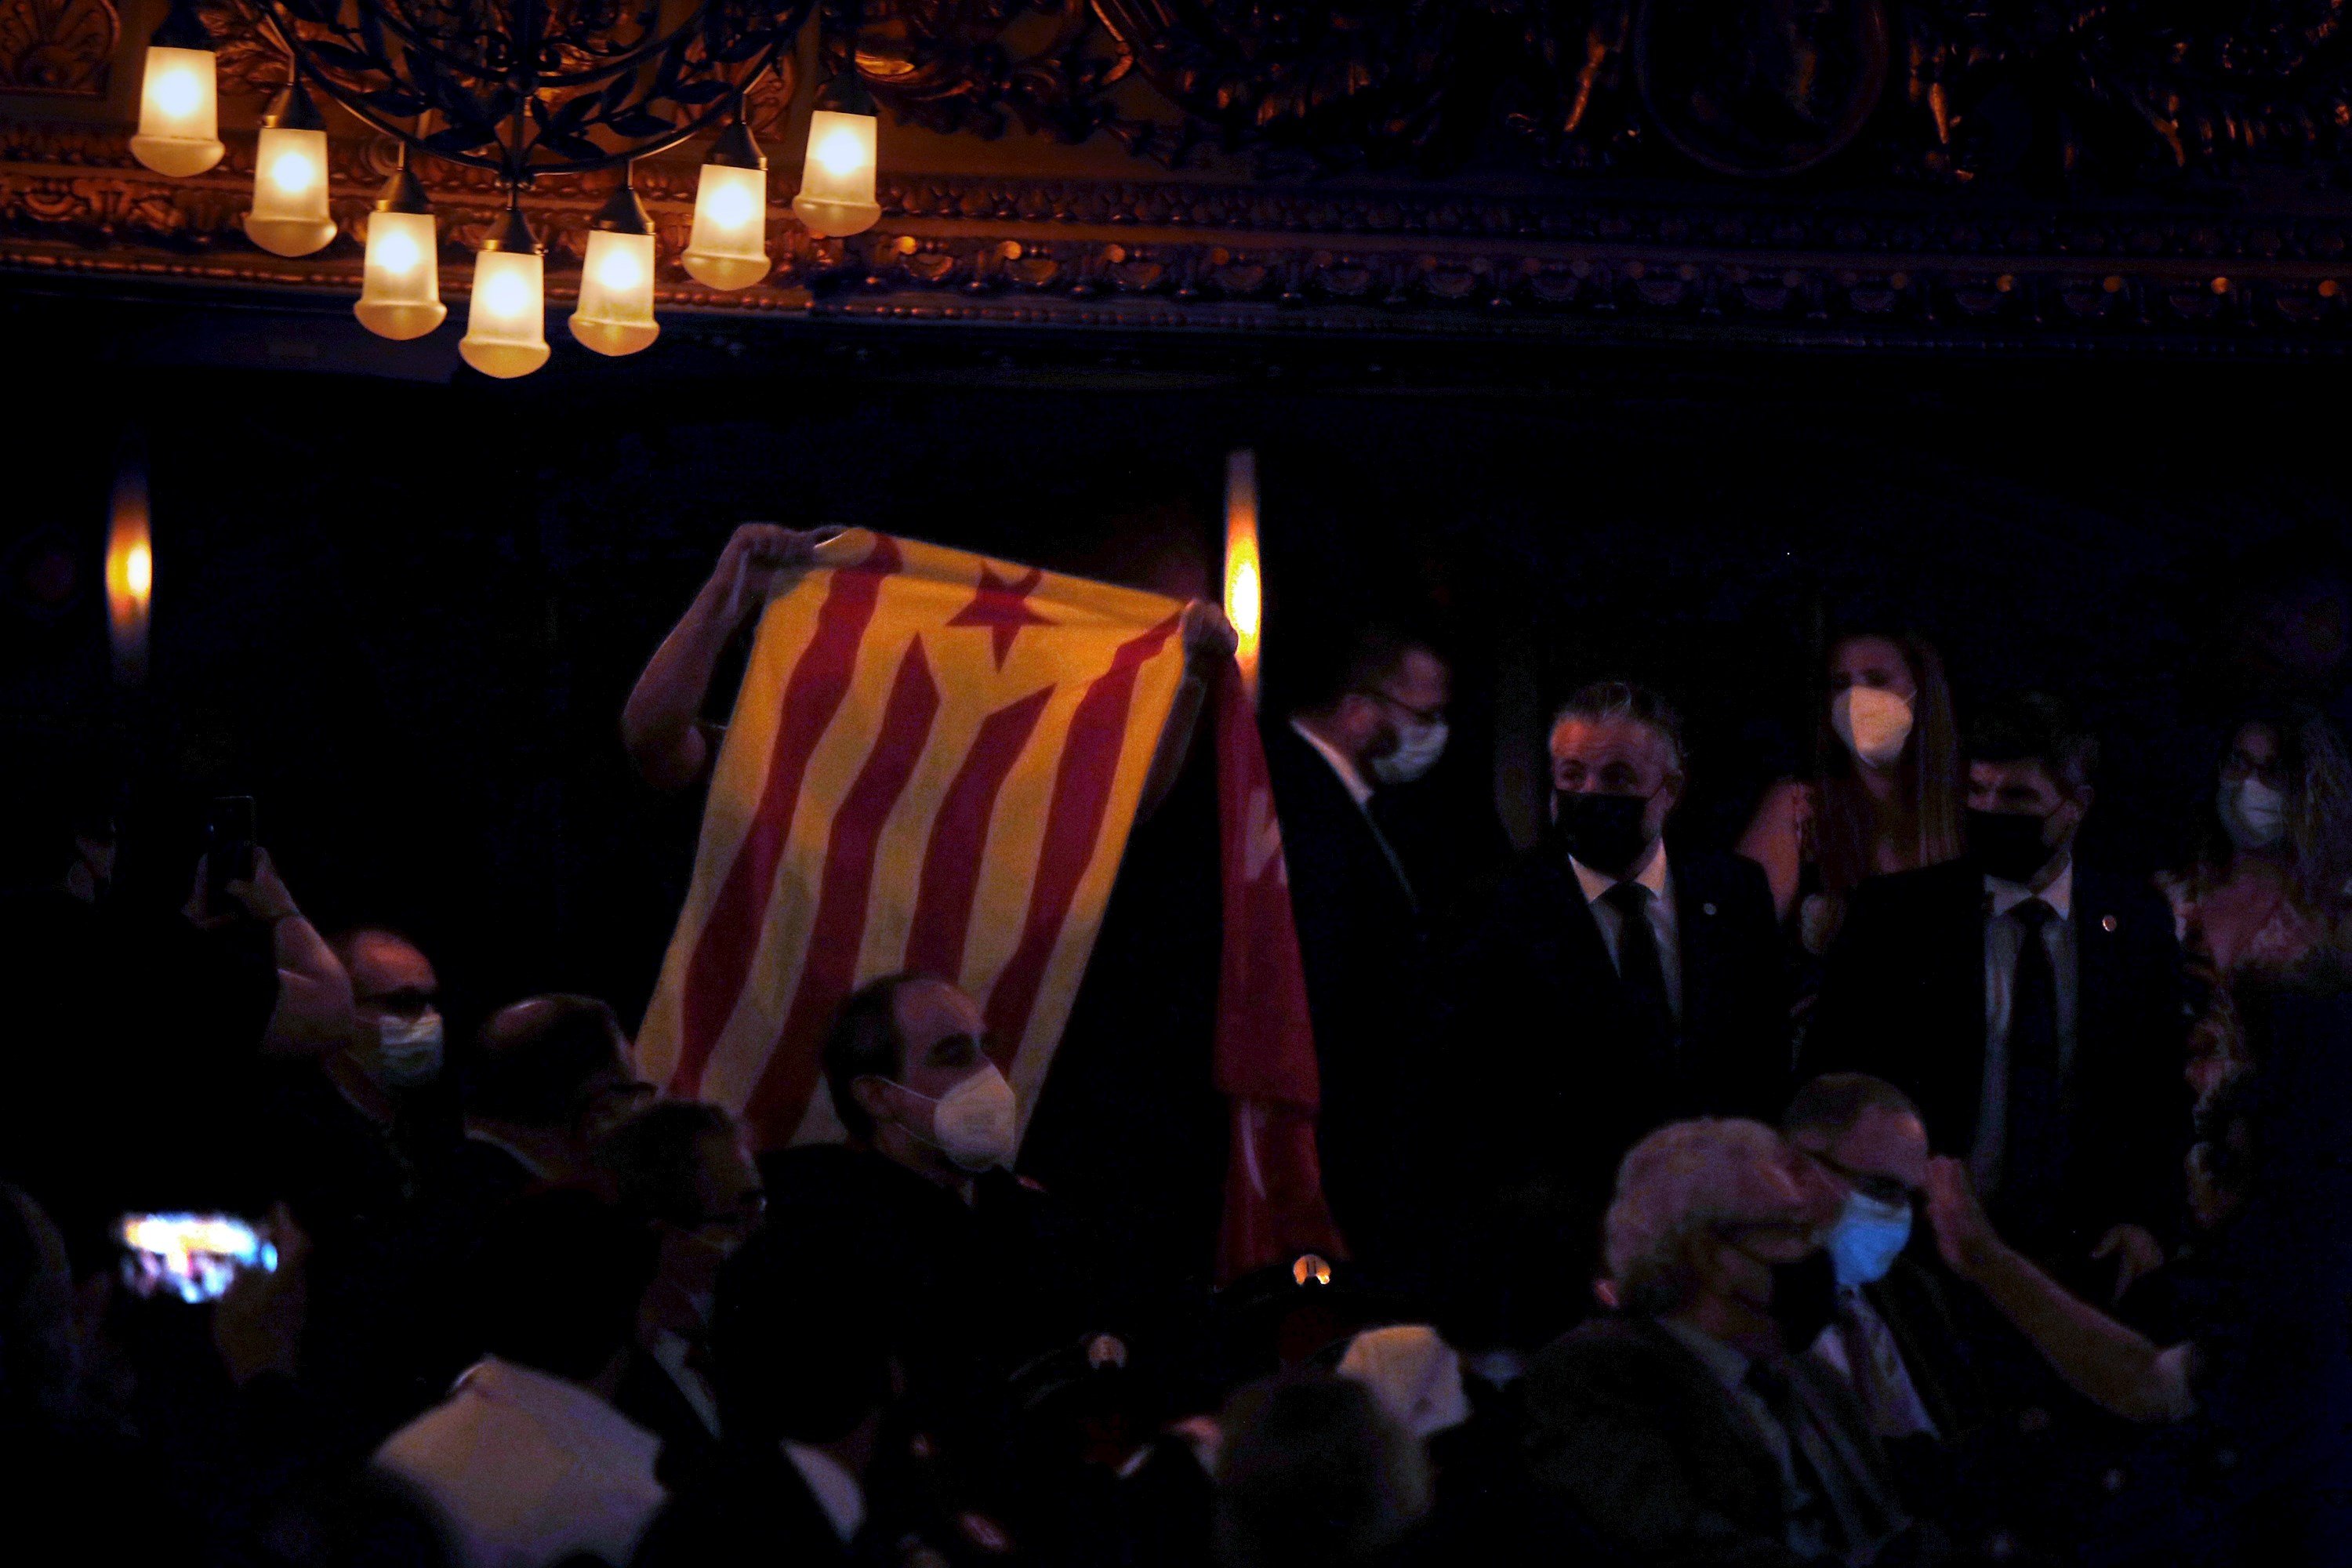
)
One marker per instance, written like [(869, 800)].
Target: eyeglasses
[(1871, 1184), (1434, 714)]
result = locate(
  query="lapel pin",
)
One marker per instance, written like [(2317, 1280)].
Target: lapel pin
[(2107, 923), (1706, 909)]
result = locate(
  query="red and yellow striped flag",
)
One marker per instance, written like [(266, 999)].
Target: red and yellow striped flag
[(933, 764)]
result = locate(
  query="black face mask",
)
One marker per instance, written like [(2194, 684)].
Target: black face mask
[(2007, 845), (1804, 1298), (1604, 831)]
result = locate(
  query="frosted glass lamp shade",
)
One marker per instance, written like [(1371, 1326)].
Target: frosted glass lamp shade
[(179, 112), (400, 292), (836, 195), (506, 327), (289, 193), (616, 315), (728, 246)]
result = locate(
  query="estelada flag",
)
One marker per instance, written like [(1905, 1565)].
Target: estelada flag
[(933, 764)]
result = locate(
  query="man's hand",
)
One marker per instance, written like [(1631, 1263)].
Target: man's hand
[(264, 898), (757, 553), (1208, 638), (2136, 1252), (257, 1323), (1963, 1236)]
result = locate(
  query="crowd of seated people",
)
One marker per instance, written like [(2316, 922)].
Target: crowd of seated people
[(1905, 1188)]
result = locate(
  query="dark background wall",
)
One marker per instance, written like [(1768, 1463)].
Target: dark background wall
[(403, 613)]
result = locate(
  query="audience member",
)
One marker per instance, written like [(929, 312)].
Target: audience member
[(1376, 716), (2271, 880), (684, 1169), (527, 1461), (804, 1379), (2030, 1004), (1684, 1428), (976, 1270), (548, 1074), (1311, 1473), (1886, 791), (1614, 985), (352, 1133)]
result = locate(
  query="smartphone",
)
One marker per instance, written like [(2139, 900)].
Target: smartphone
[(193, 1257), (228, 848)]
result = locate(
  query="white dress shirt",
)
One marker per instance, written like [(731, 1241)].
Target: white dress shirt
[(1898, 1411), (2002, 938), (835, 1490), (670, 1351), (527, 1468), (1663, 923)]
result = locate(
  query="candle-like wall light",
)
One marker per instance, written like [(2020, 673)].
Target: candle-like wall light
[(130, 567), (1245, 587)]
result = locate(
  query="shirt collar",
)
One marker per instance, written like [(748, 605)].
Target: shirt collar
[(836, 1492), (1348, 776), (1652, 876), (2059, 895), (579, 1412), (1730, 1366)]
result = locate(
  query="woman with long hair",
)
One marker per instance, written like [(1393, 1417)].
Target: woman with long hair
[(1888, 793), (2270, 880)]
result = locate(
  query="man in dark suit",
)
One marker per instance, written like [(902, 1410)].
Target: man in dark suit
[(1684, 1428), (1611, 985), (2030, 1004), (1375, 719)]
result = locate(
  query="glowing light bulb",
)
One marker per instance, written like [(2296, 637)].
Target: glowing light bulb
[(618, 270), (178, 113), (506, 296), (139, 571), (290, 204), (837, 179), (129, 569), (291, 171), (728, 246)]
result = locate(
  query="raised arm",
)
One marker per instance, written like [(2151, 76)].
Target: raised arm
[(2116, 1368), (1209, 642), (1775, 840), (659, 725), (313, 1011)]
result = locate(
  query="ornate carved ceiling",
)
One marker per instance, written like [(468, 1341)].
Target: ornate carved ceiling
[(2137, 175)]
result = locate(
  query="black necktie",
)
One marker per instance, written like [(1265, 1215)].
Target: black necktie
[(2034, 1144), (1638, 968)]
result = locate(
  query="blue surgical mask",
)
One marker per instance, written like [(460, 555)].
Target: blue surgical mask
[(1867, 1239)]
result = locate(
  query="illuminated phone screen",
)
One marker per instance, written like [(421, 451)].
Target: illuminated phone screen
[(191, 1256)]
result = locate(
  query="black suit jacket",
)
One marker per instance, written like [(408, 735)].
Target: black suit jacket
[(650, 1397), (1904, 998), (750, 1507), (1560, 1078), (1363, 947), (1629, 1427), (1540, 999)]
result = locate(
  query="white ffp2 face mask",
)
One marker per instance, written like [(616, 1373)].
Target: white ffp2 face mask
[(972, 1123), (1418, 746), (2252, 812), (410, 1049), (1873, 723)]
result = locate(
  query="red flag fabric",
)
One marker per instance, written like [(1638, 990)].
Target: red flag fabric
[(1264, 1065)]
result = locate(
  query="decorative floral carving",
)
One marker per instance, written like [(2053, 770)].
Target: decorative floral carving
[(61, 47)]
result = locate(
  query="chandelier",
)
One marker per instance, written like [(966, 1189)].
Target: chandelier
[(523, 89)]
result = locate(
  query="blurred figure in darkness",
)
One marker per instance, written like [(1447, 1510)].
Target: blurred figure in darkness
[(684, 1169), (2271, 882)]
